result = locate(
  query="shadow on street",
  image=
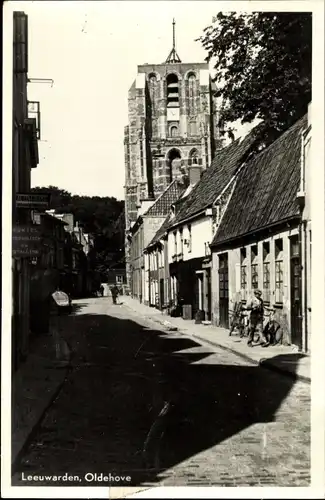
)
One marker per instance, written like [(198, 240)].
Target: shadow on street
[(123, 376)]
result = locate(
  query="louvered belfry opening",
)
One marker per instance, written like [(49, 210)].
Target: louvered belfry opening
[(172, 91)]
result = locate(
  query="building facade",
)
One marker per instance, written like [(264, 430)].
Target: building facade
[(171, 126), (194, 223), (264, 239), (24, 158)]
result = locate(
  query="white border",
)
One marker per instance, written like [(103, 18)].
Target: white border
[(318, 344)]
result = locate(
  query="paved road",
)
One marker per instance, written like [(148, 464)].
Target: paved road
[(222, 421)]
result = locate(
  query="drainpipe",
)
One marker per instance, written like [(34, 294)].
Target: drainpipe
[(302, 243)]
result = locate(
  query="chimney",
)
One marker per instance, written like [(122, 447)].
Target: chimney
[(194, 174)]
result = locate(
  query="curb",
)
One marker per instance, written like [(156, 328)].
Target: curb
[(263, 363), (17, 458)]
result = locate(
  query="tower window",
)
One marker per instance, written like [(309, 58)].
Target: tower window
[(192, 128), (194, 157), (172, 91), (174, 131), (192, 94)]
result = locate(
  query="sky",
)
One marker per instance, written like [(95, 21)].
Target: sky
[(91, 50)]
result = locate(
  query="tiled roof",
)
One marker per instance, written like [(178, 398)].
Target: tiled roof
[(266, 188), (168, 222), (216, 177), (162, 205), (161, 231)]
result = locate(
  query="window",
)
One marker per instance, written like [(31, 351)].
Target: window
[(175, 243), (243, 273), (141, 157), (279, 271), (266, 271), (174, 131), (153, 92), (181, 240), (192, 128), (254, 266), (189, 247), (192, 94), (172, 91), (194, 157)]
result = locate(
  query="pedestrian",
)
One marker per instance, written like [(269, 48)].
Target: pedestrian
[(256, 306), (101, 290), (114, 292)]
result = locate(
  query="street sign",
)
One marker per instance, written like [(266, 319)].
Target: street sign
[(33, 200), (26, 241)]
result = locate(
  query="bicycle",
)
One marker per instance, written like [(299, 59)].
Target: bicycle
[(240, 321)]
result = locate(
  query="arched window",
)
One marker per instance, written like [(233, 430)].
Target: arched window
[(153, 93), (174, 131), (192, 94), (194, 157), (174, 163), (172, 91)]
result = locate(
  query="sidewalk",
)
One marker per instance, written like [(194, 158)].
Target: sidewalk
[(283, 359), (35, 384)]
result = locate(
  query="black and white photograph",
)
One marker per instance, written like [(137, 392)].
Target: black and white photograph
[(163, 249)]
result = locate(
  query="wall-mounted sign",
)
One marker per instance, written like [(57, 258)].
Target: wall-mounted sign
[(33, 200), (26, 241), (34, 112)]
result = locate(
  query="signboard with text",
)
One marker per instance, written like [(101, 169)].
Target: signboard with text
[(26, 241), (33, 200)]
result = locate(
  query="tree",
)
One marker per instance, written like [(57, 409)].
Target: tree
[(262, 67)]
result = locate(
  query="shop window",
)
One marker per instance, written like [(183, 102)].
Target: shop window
[(266, 272), (254, 266), (279, 271), (243, 273)]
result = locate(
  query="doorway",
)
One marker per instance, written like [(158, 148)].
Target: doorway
[(223, 291), (295, 292)]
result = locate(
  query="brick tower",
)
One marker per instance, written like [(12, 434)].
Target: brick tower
[(170, 126)]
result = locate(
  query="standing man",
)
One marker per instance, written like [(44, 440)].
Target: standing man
[(114, 291), (256, 317)]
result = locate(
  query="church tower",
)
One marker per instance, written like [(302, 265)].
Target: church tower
[(170, 127)]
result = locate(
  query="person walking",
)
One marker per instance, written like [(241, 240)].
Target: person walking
[(256, 307), (114, 292)]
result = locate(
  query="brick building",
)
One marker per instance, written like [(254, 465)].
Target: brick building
[(24, 158), (171, 126)]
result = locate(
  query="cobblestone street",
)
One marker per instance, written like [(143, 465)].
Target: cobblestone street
[(223, 421)]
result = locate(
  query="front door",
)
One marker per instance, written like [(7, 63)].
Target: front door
[(161, 292), (295, 292), (223, 291), (208, 278)]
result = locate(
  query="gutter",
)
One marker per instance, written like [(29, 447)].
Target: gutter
[(250, 233)]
